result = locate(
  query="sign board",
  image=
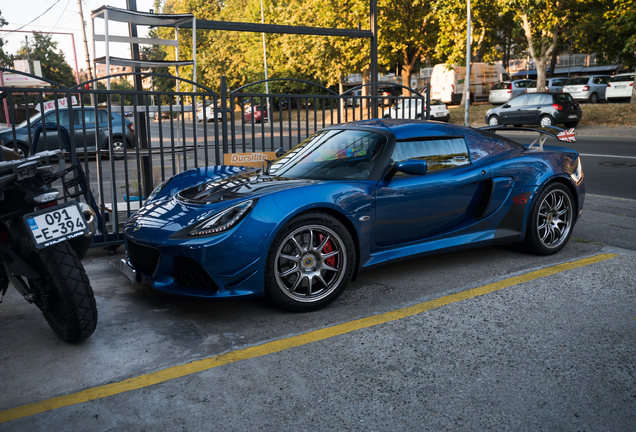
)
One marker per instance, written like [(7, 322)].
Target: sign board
[(61, 103), (248, 159), (17, 80)]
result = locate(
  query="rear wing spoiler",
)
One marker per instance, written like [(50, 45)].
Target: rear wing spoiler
[(565, 135)]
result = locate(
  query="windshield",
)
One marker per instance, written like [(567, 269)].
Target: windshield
[(332, 155), (578, 81)]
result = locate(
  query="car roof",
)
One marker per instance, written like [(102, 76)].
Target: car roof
[(405, 128)]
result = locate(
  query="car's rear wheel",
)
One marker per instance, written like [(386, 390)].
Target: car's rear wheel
[(494, 121), (310, 263), (546, 121), (550, 221), (593, 99)]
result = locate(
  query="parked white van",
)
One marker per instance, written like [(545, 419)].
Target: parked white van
[(448, 84)]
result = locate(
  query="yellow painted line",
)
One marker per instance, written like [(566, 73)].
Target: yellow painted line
[(280, 345)]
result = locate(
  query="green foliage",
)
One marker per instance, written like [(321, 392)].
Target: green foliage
[(54, 66), (486, 19), (5, 59)]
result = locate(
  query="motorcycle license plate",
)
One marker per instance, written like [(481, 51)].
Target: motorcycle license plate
[(56, 224)]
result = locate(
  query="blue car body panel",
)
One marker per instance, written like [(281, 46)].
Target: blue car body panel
[(483, 203)]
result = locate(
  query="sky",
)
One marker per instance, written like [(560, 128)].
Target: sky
[(63, 16)]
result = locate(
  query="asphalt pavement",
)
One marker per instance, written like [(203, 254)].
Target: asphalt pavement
[(485, 339)]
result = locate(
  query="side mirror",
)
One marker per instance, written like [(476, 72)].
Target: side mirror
[(413, 167), (280, 152), (506, 106)]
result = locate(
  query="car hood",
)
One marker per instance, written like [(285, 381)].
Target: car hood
[(237, 186)]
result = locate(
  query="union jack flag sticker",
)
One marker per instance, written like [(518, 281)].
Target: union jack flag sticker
[(567, 135)]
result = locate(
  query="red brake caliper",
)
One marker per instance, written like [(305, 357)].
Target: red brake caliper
[(331, 261)]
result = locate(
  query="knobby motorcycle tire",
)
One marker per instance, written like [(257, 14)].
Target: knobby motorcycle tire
[(71, 311)]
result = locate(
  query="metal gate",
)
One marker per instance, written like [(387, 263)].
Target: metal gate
[(128, 142)]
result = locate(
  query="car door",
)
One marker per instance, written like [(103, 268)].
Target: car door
[(600, 85), (511, 112), (411, 208), (86, 129), (51, 141), (531, 111)]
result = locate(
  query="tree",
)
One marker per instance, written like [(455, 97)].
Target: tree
[(406, 32), (54, 66), (451, 41), (5, 59), (541, 21)]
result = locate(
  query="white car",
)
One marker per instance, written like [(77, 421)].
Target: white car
[(209, 114), (620, 87), (416, 109)]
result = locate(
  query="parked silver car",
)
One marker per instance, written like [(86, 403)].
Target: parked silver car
[(587, 88), (502, 92), (551, 85)]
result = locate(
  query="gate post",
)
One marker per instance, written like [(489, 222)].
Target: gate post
[(224, 116)]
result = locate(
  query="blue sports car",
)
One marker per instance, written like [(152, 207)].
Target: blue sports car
[(348, 198)]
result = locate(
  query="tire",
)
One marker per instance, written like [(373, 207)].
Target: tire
[(571, 124), (593, 98), (546, 121), (21, 149), (118, 144), (551, 220), (493, 121), (310, 263), (71, 313)]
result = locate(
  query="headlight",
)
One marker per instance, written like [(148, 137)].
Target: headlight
[(159, 188), (224, 220)]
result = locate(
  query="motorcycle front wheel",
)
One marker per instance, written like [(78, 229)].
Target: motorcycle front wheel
[(69, 307)]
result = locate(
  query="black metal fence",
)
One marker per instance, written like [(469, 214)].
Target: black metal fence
[(128, 142)]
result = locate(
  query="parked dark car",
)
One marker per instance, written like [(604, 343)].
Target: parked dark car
[(391, 94), (85, 130), (545, 109)]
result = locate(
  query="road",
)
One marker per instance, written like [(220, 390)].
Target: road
[(484, 339), (609, 163)]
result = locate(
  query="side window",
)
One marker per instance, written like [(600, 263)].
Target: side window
[(52, 117), (439, 154), (103, 117), (517, 102), (535, 99), (505, 77), (89, 116)]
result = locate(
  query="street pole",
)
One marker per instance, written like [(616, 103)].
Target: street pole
[(467, 80), (269, 112), (26, 42), (88, 56)]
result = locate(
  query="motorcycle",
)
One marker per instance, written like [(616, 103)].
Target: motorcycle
[(43, 237)]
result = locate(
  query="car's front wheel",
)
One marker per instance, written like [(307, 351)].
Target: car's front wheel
[(550, 222), (310, 263), (494, 121)]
